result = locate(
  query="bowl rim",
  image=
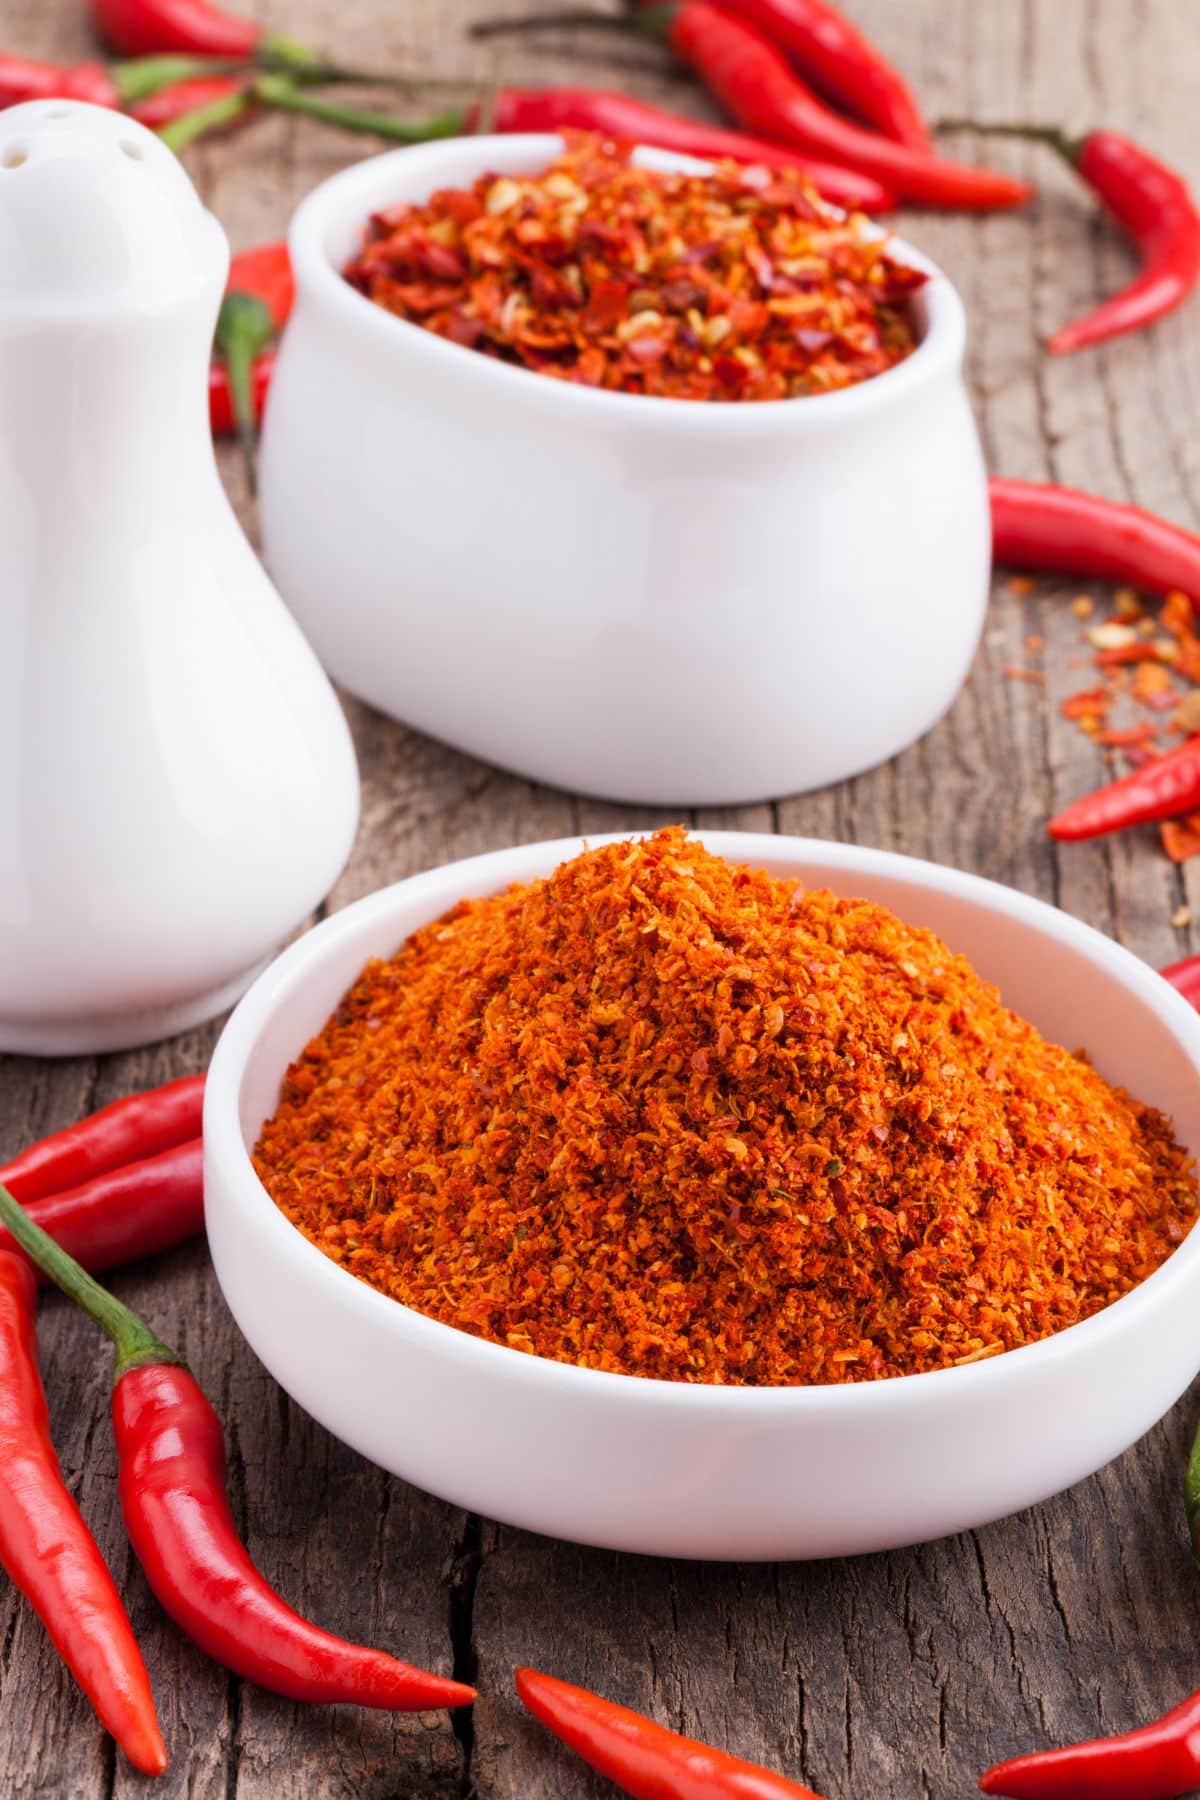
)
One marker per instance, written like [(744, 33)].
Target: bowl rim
[(340, 201), (443, 885)]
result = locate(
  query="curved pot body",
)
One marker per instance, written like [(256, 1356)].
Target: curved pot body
[(177, 784), (654, 600)]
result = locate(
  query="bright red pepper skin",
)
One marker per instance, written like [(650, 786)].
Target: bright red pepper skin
[(171, 1458), (139, 1210), (138, 1126), (642, 1758), (21, 78), (834, 55), (147, 27), (634, 121), (1159, 1762), (1163, 789), (266, 272), (220, 399), (1185, 977), (47, 1549), (1038, 526), (752, 80), (1154, 205), (182, 97)]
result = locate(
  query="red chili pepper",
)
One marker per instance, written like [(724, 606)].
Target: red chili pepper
[(220, 398), (833, 54), (171, 1473), (144, 27), (138, 1126), (21, 78), (1150, 201), (180, 98), (1185, 976), (636, 122), (1158, 1762), (136, 1211), (751, 78), (1162, 789), (1038, 526), (266, 272), (642, 1758), (49, 1552), (1154, 205)]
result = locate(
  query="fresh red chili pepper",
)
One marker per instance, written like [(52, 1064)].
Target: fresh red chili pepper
[(48, 1550), (140, 1125), (1158, 1762), (144, 27), (1185, 976), (1154, 206), (642, 1758), (1039, 526), (135, 1211), (266, 272), (21, 78), (171, 1474), (636, 122), (220, 398), (834, 55), (180, 98), (1162, 789)]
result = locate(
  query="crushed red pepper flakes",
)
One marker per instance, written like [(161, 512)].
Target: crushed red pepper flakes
[(740, 284), (1181, 837), (667, 1116)]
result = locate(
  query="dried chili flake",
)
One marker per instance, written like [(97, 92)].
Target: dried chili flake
[(1181, 837), (736, 285), (667, 1116)]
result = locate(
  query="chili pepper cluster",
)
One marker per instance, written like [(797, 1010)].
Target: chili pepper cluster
[(737, 285)]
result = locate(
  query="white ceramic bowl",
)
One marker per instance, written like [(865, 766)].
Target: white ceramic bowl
[(676, 1469), (653, 600)]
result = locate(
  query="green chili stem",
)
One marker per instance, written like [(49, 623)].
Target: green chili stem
[(244, 328), (146, 75), (1053, 135), (1191, 1494), (280, 92), (548, 21), (135, 1342), (192, 125)]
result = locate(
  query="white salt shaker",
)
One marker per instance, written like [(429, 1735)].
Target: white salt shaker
[(177, 783)]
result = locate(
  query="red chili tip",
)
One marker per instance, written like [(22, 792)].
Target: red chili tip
[(150, 1757), (441, 1691)]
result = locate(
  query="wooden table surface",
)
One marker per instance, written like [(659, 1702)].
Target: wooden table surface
[(888, 1676)]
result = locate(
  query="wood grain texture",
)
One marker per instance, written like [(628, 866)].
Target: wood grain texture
[(891, 1676)]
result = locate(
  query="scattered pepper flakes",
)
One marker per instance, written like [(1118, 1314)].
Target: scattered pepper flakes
[(1181, 837), (1181, 917), (1128, 603), (1091, 703), (1187, 718), (1015, 672), (740, 284), (1083, 606), (568, 1117), (1020, 586), (1111, 635), (1141, 733), (1035, 643)]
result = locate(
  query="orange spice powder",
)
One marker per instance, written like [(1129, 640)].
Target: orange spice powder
[(668, 1116)]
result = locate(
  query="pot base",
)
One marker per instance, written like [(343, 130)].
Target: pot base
[(121, 1031)]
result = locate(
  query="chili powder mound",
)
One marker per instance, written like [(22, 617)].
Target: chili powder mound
[(737, 285), (664, 1115)]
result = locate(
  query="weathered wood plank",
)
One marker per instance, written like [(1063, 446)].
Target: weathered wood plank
[(894, 1675)]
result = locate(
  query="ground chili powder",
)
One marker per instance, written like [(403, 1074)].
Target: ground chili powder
[(668, 1116), (739, 285)]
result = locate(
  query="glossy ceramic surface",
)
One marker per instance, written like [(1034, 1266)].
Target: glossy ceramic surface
[(679, 1470), (646, 599), (177, 784)]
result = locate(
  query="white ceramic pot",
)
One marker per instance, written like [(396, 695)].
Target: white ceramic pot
[(653, 600), (177, 783), (675, 1469)]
